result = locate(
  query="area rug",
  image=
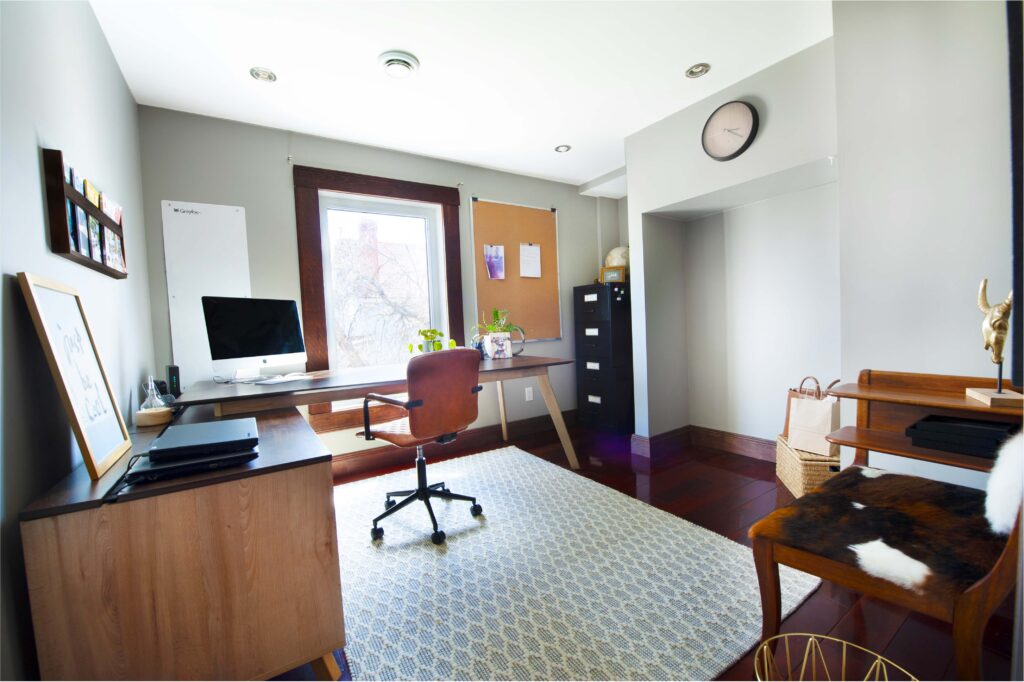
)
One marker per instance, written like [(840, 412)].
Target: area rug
[(560, 578)]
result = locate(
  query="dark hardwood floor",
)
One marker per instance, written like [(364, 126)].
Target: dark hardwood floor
[(726, 493)]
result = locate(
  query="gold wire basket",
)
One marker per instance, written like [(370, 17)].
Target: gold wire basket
[(803, 656)]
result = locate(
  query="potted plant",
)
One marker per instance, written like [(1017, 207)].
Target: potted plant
[(431, 341), (495, 336)]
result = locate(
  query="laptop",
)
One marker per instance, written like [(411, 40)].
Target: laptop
[(188, 441), (146, 470)]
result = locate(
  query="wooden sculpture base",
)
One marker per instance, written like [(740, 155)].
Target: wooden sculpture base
[(990, 397)]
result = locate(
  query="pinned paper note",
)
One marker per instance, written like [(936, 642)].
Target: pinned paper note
[(529, 260)]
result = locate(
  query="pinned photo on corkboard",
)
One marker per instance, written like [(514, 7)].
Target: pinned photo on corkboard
[(494, 260)]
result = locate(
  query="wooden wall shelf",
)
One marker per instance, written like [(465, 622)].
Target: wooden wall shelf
[(58, 190), (895, 443), (924, 398), (889, 402)]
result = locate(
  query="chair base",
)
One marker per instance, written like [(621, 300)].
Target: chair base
[(423, 492)]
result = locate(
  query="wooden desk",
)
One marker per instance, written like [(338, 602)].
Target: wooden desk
[(889, 402), (327, 386), (224, 575)]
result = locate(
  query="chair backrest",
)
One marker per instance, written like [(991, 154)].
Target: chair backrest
[(445, 382)]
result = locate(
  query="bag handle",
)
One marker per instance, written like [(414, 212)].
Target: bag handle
[(817, 387), (829, 387)]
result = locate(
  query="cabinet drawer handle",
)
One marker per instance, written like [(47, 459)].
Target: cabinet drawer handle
[(593, 365), (589, 298), (591, 331), (596, 399)]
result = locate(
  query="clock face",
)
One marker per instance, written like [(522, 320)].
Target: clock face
[(729, 131)]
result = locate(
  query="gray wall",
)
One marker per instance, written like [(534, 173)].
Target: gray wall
[(61, 88), (623, 207), (195, 158), (666, 165), (666, 323), (924, 185), (761, 294)]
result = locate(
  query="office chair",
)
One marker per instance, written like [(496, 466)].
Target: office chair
[(442, 401)]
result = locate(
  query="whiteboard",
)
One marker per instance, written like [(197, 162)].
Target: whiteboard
[(206, 253), (79, 366)]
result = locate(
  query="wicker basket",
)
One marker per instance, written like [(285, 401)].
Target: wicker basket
[(801, 471)]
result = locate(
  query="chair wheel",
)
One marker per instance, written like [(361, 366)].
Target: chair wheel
[(476, 510), (376, 533), (389, 503), (437, 537)]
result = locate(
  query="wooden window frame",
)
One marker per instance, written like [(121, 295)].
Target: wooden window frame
[(309, 182)]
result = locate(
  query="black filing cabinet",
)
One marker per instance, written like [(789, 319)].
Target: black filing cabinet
[(604, 356)]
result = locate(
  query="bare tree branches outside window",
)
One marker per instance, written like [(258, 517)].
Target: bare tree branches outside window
[(379, 295)]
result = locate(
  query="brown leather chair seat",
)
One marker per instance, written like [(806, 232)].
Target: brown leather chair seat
[(397, 432), (923, 535)]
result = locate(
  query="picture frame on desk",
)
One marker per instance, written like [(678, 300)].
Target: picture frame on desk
[(613, 274), (69, 346)]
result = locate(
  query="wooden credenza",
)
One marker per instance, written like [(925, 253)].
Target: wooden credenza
[(224, 575)]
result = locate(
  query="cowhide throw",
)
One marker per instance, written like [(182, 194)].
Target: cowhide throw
[(926, 536)]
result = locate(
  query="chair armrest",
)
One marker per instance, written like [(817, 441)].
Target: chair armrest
[(376, 397)]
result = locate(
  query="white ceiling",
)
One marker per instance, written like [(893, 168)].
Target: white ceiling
[(500, 83)]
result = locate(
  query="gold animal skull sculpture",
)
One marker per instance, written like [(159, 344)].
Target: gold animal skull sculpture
[(996, 323)]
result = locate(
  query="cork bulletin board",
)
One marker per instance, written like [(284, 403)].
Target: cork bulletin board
[(532, 302)]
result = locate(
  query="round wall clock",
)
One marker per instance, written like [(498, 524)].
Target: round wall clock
[(729, 130)]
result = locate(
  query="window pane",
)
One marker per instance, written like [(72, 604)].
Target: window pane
[(379, 295)]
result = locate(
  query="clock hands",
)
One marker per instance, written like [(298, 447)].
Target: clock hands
[(733, 131)]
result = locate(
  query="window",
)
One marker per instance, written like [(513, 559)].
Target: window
[(383, 277), (364, 295)]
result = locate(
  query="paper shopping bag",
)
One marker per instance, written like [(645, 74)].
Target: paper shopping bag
[(810, 420), (803, 391)]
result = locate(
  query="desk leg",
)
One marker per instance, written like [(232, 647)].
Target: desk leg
[(501, 410), (556, 417), (326, 667)]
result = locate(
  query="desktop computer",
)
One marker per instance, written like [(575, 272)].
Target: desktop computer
[(248, 335)]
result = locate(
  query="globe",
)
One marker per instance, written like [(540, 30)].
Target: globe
[(617, 257)]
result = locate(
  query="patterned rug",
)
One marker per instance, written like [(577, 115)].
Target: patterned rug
[(560, 578)]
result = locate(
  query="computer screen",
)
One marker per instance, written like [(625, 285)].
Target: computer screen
[(251, 327)]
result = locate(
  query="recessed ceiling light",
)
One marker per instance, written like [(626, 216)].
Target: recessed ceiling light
[(698, 70), (262, 74), (562, 148), (399, 64)]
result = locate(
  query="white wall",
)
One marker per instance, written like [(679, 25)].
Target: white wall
[(666, 164), (761, 294), (924, 186), (61, 88), (195, 158)]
